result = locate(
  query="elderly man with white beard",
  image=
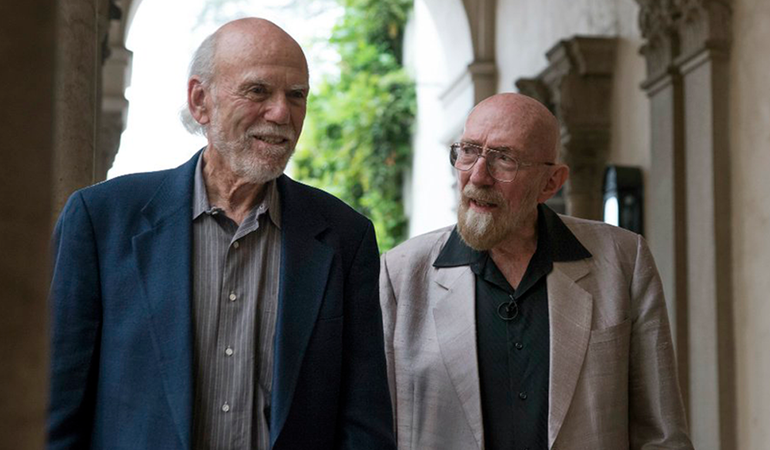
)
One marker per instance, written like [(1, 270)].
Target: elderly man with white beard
[(220, 305), (519, 328)]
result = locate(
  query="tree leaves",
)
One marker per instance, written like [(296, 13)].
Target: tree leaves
[(357, 139)]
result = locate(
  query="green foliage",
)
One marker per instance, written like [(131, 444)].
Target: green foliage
[(357, 138)]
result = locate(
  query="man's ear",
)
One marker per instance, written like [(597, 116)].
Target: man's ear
[(558, 176), (197, 99)]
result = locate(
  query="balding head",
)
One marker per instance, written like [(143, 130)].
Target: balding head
[(500, 211), (253, 38), (253, 104), (517, 122), (230, 45)]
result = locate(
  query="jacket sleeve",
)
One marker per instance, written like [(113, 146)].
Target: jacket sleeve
[(657, 418), (367, 420), (75, 327)]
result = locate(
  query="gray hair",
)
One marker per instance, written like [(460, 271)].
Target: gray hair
[(202, 66)]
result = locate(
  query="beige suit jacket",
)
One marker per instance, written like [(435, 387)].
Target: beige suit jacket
[(612, 383)]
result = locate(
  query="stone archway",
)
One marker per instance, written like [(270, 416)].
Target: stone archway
[(93, 67), (454, 69), (53, 52)]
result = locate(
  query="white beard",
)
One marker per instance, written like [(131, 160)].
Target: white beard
[(480, 231), (248, 164), (483, 231)]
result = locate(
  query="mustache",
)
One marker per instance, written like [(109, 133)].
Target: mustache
[(486, 195), (267, 129)]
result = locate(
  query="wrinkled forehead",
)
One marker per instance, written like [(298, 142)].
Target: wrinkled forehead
[(265, 45), (526, 132)]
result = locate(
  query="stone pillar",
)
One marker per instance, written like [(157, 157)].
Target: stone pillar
[(116, 77), (704, 30), (577, 87), (483, 69), (27, 45), (687, 53), (82, 26), (484, 79), (667, 218)]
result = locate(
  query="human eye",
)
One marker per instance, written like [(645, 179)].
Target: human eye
[(257, 90), (298, 94), (503, 159), (297, 97), (469, 149)]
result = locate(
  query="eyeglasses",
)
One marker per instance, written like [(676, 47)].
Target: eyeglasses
[(501, 166)]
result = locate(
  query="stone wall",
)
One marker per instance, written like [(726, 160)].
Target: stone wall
[(750, 223), (27, 40)]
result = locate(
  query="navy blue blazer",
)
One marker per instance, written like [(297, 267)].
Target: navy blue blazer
[(121, 373)]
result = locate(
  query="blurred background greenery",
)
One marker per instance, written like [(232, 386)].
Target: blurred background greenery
[(357, 138)]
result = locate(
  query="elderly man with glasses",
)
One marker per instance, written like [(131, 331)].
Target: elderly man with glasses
[(519, 328)]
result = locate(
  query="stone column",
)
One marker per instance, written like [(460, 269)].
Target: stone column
[(577, 86), (666, 217), (80, 33), (704, 30), (484, 79), (483, 69), (687, 53), (116, 77), (27, 45)]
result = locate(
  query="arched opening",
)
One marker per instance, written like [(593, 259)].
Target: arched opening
[(154, 138), (441, 51)]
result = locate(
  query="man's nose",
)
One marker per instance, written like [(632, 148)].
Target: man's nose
[(480, 175), (278, 110)]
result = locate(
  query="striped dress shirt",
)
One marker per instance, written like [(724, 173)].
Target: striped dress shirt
[(235, 297)]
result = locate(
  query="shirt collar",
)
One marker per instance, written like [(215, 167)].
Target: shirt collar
[(563, 246), (200, 197), (271, 203)]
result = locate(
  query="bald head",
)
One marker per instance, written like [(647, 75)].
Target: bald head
[(249, 39), (517, 122), (238, 44), (496, 214)]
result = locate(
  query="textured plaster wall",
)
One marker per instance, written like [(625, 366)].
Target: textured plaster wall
[(750, 149)]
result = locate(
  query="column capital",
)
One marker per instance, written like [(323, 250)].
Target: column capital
[(658, 22), (676, 30), (703, 24), (577, 86), (483, 74), (579, 79)]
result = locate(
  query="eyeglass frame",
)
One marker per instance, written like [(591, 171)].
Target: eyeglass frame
[(454, 150)]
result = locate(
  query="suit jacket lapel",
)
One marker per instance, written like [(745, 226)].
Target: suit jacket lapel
[(570, 308), (163, 259), (305, 265), (455, 319)]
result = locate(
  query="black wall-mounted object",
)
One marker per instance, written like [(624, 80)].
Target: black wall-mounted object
[(624, 198)]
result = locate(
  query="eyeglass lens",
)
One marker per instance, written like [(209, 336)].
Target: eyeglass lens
[(501, 167)]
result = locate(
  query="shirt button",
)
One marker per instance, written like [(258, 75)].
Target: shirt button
[(233, 296), (225, 407), (236, 244), (518, 345), (523, 395), (229, 351)]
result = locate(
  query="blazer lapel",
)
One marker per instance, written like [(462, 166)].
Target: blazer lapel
[(305, 266), (570, 308), (455, 319), (163, 260)]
